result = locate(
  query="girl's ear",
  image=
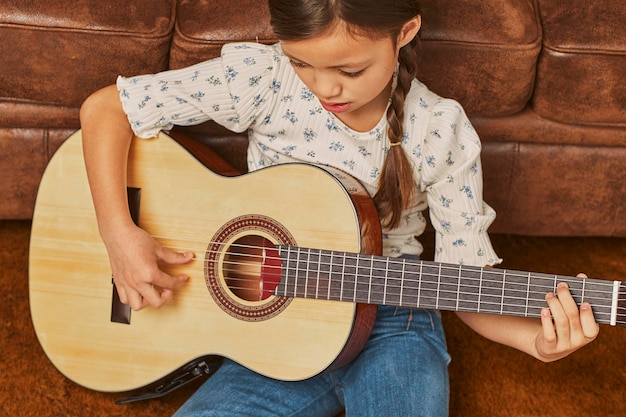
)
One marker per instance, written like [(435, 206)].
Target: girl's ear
[(409, 31)]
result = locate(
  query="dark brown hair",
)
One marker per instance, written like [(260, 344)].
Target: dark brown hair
[(301, 19)]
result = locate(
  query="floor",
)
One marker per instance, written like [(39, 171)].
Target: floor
[(486, 379)]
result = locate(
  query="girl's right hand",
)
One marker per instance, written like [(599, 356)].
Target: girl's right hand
[(135, 258), (134, 255)]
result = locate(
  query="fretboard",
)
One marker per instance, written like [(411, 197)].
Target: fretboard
[(340, 276)]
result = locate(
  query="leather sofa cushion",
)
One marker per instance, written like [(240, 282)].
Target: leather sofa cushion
[(204, 26), (488, 64), (582, 71), (57, 52), (483, 53)]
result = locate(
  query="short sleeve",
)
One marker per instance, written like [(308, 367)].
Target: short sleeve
[(229, 90)]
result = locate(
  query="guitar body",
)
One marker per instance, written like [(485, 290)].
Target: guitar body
[(188, 207)]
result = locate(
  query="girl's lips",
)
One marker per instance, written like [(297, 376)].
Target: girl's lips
[(336, 107)]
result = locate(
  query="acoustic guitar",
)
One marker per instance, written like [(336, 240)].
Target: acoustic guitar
[(286, 277)]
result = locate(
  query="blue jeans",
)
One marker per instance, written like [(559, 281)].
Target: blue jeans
[(402, 371)]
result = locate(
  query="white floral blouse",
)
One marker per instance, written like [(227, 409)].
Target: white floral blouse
[(253, 87)]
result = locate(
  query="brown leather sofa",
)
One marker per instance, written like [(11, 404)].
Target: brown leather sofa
[(542, 80)]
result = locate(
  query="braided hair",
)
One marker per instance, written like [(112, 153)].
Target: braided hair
[(302, 19)]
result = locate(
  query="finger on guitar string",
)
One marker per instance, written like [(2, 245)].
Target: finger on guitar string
[(565, 325), (150, 295)]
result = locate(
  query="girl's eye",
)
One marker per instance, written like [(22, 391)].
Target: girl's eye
[(297, 64), (352, 74)]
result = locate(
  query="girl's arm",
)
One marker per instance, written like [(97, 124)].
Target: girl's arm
[(133, 253), (451, 171), (563, 328)]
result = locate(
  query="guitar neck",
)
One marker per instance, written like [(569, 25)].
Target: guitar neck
[(370, 279)]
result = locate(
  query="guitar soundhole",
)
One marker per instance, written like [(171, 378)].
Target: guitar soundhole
[(242, 267), (252, 268)]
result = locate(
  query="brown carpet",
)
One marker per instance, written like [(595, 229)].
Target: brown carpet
[(487, 379)]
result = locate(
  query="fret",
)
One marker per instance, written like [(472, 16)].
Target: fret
[(527, 292), (447, 292), (369, 286), (458, 289), (402, 280), (363, 278), (419, 286), (480, 290), (503, 289), (378, 280), (296, 273), (438, 287), (306, 275), (491, 292), (296, 269), (363, 270), (301, 274), (311, 275), (352, 275), (614, 303), (582, 294), (600, 295), (342, 275), (288, 268), (394, 277), (516, 295), (349, 272), (541, 284), (324, 268), (398, 281), (467, 287), (284, 276), (318, 277), (428, 285), (330, 273), (386, 282), (411, 279), (356, 276)]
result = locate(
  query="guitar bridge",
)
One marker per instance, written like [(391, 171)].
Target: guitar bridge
[(120, 312)]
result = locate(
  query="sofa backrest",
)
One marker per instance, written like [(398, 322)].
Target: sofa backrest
[(566, 59)]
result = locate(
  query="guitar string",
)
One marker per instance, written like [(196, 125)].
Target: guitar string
[(355, 256), (509, 273), (399, 262), (483, 306), (489, 295), (446, 297)]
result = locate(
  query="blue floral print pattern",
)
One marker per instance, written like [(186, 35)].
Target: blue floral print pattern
[(253, 87)]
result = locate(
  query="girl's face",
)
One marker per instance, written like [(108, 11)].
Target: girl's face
[(351, 75)]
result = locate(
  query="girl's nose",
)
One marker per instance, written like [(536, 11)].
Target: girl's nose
[(327, 85)]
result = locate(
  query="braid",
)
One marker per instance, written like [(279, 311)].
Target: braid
[(396, 185), (302, 19)]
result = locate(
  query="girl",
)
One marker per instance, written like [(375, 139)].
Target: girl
[(339, 89)]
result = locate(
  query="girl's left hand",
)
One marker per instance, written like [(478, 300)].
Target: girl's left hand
[(565, 328)]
